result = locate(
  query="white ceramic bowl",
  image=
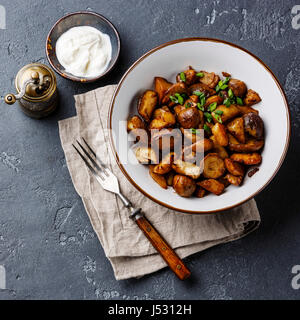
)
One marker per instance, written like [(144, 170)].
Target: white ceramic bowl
[(211, 55)]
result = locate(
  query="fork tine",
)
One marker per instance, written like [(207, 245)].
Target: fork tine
[(87, 163), (92, 160), (94, 153)]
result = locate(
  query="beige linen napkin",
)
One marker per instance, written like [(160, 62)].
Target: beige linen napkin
[(128, 250)]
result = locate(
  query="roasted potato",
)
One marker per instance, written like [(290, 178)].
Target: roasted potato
[(210, 79), (184, 186), (251, 98), (165, 165), (158, 178), (200, 192), (254, 125), (187, 168), (161, 85), (135, 122), (245, 110), (189, 118), (146, 155), (178, 87), (147, 104), (189, 77), (212, 185), (234, 167), (227, 112), (214, 166), (213, 99), (162, 118), (200, 146), (219, 132), (236, 128), (247, 158), (232, 139), (252, 145), (238, 87), (235, 180), (221, 151), (193, 137), (201, 87)]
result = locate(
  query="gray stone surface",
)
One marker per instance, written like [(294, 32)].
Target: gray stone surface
[(47, 244)]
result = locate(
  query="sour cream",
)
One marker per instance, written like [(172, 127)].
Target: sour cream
[(84, 51)]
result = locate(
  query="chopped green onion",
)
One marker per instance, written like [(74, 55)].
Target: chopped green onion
[(227, 102), (180, 100), (206, 128), (224, 86), (218, 88), (239, 101), (219, 112), (200, 74), (188, 105), (195, 131), (208, 116), (212, 107), (200, 107), (230, 93), (226, 80), (182, 76), (198, 93), (220, 83), (173, 99), (218, 118)]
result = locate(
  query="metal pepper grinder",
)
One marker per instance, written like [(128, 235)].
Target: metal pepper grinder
[(36, 90)]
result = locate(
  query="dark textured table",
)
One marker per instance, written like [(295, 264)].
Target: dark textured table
[(47, 245)]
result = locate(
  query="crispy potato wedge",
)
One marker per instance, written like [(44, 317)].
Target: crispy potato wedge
[(178, 87), (158, 178), (184, 186), (252, 145), (210, 79), (187, 168), (228, 112), (193, 137), (189, 75), (232, 139), (219, 132), (212, 185), (161, 85), (234, 167), (236, 128), (246, 110), (202, 88), (162, 118), (214, 99), (146, 155), (214, 166), (224, 181), (235, 180), (200, 192), (221, 151), (247, 158), (165, 165), (251, 98), (238, 87), (135, 122), (147, 104)]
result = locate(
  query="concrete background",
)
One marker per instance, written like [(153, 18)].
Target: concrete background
[(47, 244)]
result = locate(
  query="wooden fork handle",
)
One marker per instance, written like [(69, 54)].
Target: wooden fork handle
[(167, 253)]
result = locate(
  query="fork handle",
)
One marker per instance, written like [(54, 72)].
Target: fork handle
[(167, 253)]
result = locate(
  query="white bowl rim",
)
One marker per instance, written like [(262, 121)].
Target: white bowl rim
[(148, 53)]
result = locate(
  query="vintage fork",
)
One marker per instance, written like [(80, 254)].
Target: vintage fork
[(109, 182)]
